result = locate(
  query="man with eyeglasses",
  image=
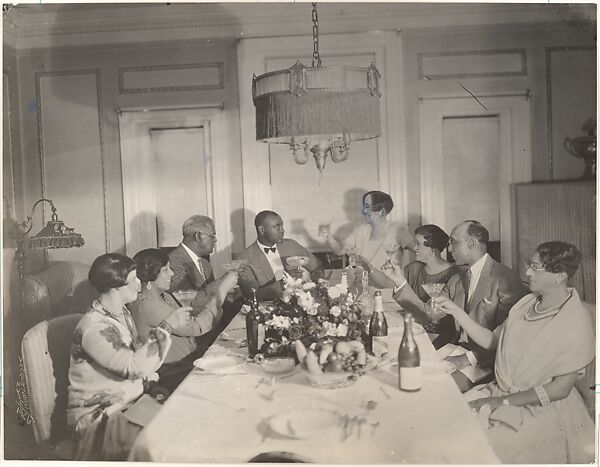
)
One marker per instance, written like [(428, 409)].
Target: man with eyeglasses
[(191, 271), (266, 257)]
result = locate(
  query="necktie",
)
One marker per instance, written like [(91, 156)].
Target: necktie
[(201, 268), (467, 286), (272, 249)]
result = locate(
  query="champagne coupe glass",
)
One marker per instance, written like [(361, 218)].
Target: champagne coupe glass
[(236, 265), (434, 290), (296, 263)]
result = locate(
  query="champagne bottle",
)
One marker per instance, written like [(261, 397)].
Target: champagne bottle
[(253, 319), (409, 362), (378, 324)]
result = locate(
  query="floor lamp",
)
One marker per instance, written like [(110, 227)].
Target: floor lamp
[(54, 235)]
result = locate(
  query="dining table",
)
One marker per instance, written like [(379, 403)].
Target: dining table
[(234, 414)]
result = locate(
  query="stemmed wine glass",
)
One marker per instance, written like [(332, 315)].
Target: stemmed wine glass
[(391, 251), (296, 263)]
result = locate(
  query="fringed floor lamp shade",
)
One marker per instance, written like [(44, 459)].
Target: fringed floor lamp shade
[(318, 110), (54, 235)]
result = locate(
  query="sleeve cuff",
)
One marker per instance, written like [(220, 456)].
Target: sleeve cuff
[(400, 287), (472, 359)]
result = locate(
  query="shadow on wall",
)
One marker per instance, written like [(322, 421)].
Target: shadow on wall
[(238, 229)]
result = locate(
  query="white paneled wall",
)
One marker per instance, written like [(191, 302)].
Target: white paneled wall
[(271, 178), (72, 158)]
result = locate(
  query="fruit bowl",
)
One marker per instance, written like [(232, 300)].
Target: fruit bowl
[(277, 365), (330, 380)]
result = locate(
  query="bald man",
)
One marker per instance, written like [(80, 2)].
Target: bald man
[(266, 258)]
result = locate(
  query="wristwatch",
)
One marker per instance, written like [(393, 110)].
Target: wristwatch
[(505, 402)]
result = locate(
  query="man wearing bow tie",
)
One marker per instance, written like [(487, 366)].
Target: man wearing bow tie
[(266, 256)]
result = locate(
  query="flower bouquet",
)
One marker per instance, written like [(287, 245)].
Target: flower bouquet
[(319, 324)]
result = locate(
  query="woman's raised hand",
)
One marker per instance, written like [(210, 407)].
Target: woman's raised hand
[(179, 317), (394, 272)]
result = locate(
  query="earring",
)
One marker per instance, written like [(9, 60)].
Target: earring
[(148, 285)]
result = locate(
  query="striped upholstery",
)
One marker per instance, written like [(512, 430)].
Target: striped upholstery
[(59, 290), (587, 384), (46, 355)]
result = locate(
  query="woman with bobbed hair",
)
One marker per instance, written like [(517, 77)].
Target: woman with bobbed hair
[(429, 243), (108, 363), (377, 235), (533, 412), (154, 303)]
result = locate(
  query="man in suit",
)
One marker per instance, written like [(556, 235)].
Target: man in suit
[(486, 290), (192, 272), (266, 258)]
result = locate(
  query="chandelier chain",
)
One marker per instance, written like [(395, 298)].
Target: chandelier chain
[(315, 19)]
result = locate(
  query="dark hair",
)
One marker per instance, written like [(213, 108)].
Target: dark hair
[(379, 200), (434, 236), (262, 216), (110, 271), (559, 257), (149, 262), (478, 231)]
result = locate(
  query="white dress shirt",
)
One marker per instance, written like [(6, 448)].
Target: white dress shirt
[(274, 259), (196, 259), (476, 274)]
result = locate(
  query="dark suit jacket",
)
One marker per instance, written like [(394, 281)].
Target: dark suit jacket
[(498, 289), (186, 274), (257, 274)]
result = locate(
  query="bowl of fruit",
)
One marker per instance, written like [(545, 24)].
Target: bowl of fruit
[(332, 365)]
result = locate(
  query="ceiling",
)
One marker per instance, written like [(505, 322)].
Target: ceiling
[(70, 24)]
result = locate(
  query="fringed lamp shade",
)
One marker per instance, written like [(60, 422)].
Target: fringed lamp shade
[(56, 235), (322, 109)]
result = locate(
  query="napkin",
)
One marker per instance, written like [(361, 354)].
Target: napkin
[(510, 415), (142, 411)]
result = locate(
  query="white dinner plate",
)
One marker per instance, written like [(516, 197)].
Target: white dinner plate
[(219, 363), (303, 424)]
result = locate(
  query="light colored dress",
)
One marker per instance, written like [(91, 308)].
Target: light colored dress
[(532, 350), (374, 250), (107, 368)]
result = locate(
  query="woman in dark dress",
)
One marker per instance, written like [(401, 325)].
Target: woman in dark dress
[(429, 268)]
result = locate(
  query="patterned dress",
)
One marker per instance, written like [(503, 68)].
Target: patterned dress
[(108, 364)]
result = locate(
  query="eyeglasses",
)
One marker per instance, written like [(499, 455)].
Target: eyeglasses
[(534, 266), (212, 236)]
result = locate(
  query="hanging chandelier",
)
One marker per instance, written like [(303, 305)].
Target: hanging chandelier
[(317, 110)]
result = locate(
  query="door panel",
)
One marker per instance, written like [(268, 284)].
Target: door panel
[(471, 148), (179, 179)]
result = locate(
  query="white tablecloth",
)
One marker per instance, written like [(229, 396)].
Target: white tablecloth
[(224, 418)]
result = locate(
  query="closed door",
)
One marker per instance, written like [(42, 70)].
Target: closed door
[(179, 174), (471, 149)]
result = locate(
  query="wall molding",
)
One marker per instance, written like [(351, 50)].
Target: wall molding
[(185, 66), (424, 74), (549, 50), (514, 160), (96, 73), (9, 120)]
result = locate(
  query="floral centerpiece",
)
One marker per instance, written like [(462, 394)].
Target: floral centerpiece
[(317, 315)]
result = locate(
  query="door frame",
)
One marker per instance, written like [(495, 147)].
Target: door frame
[(134, 134), (513, 112)]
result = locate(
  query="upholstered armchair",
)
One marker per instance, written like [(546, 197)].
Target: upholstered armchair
[(61, 289), (46, 357)]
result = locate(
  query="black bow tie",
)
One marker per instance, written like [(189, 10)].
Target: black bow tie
[(272, 249)]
